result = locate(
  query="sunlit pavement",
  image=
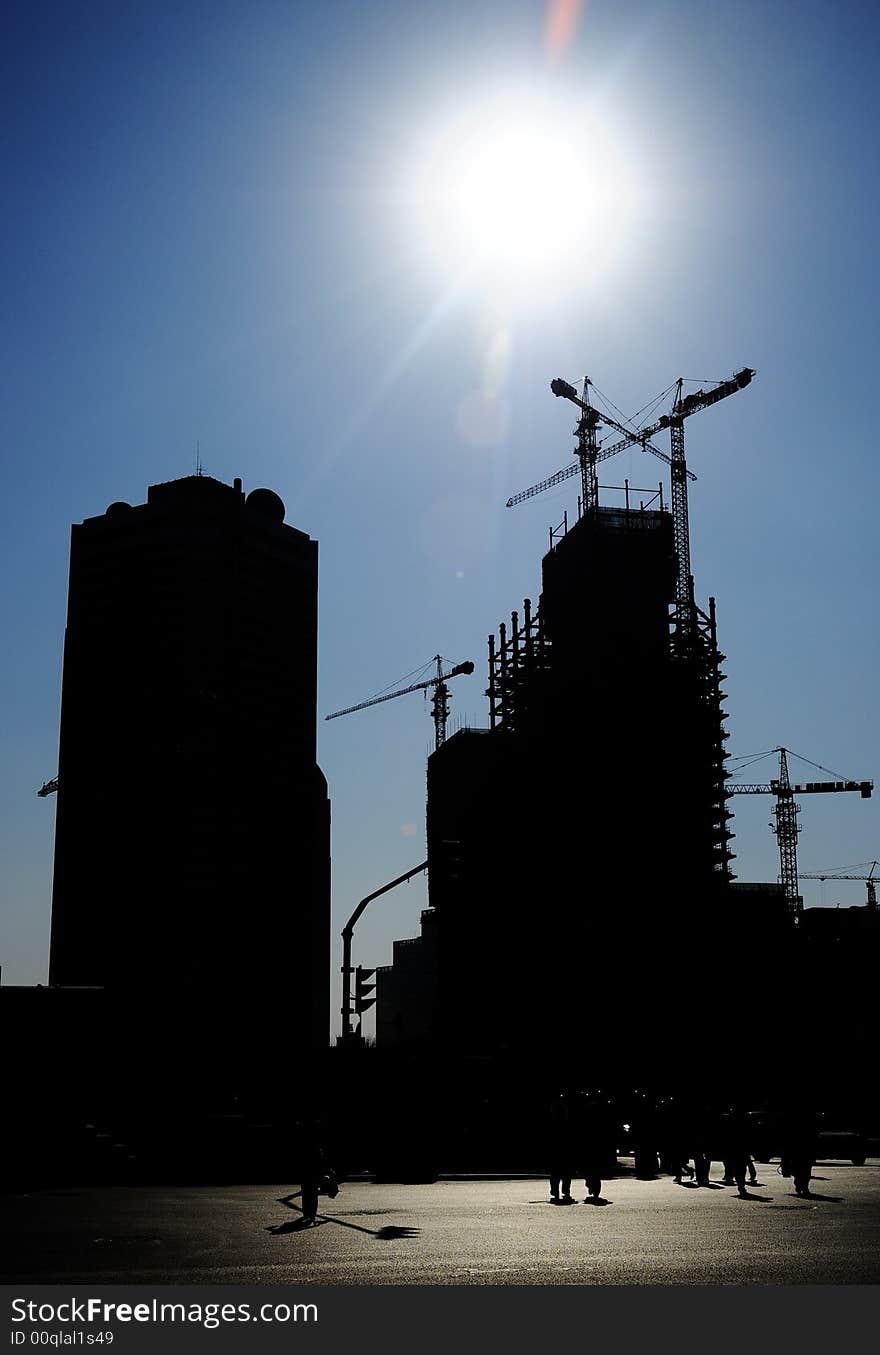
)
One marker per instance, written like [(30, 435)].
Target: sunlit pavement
[(453, 1232)]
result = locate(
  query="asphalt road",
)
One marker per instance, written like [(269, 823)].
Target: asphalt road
[(455, 1232)]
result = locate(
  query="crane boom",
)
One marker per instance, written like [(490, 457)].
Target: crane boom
[(439, 703), (691, 404), (808, 788), (835, 875), (375, 700), (870, 880)]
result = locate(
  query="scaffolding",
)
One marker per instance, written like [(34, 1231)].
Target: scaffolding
[(514, 664)]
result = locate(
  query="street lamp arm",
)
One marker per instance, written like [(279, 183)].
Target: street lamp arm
[(347, 933)]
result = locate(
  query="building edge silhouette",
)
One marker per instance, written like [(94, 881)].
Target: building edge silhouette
[(190, 934)]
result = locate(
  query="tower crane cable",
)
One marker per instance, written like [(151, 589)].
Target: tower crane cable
[(412, 676), (837, 775)]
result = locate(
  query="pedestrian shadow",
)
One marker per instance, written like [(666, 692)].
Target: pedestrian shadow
[(390, 1233), (597, 1200), (294, 1226), (814, 1195), (758, 1199)]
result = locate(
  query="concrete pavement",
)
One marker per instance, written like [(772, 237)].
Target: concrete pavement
[(489, 1232)]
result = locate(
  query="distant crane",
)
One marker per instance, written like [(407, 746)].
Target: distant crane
[(48, 787), (786, 812), (870, 880), (439, 701)]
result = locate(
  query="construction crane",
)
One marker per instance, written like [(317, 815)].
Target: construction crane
[(439, 701), (682, 408), (870, 880), (588, 452), (786, 812), (48, 787)]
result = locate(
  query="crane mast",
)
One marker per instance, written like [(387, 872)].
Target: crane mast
[(786, 828), (684, 583), (682, 407), (588, 446)]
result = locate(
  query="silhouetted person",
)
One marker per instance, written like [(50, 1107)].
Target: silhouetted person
[(313, 1167), (701, 1144), (672, 1140), (595, 1129), (561, 1149), (798, 1146), (644, 1133), (733, 1134)]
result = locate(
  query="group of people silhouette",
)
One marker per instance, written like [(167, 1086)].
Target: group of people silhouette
[(666, 1136)]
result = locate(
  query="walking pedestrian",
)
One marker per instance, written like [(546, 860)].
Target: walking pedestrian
[(673, 1155), (701, 1144), (644, 1131), (734, 1150), (595, 1141), (313, 1167), (560, 1149), (798, 1146)]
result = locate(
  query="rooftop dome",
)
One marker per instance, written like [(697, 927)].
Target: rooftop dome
[(267, 502)]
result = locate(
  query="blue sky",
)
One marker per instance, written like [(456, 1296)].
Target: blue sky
[(205, 241)]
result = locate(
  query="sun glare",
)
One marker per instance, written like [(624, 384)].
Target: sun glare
[(523, 192)]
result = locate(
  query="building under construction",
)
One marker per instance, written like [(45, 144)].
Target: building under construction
[(584, 925), (584, 833), (579, 848)]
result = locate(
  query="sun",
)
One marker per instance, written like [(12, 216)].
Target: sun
[(522, 191)]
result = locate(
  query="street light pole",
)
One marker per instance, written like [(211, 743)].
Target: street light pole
[(347, 933)]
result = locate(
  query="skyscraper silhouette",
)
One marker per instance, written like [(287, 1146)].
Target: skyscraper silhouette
[(192, 865)]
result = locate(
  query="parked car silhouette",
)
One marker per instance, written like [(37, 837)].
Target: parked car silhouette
[(832, 1144)]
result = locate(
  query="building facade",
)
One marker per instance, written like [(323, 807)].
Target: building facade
[(192, 856)]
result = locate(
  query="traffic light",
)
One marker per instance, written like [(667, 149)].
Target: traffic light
[(362, 989)]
